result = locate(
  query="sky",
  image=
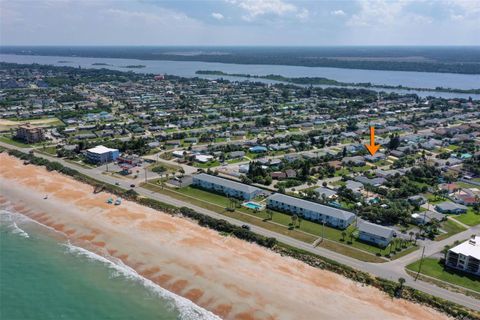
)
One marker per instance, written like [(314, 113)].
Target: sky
[(240, 22)]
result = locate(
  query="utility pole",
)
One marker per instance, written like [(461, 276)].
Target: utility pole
[(421, 261)]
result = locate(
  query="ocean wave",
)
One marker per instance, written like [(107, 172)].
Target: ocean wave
[(188, 310), (9, 219), (19, 231)]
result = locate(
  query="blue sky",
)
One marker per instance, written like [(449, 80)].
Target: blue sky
[(240, 22)]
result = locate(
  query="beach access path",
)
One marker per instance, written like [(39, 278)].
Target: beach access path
[(392, 270)]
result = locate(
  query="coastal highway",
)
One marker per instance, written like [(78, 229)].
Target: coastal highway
[(392, 270)]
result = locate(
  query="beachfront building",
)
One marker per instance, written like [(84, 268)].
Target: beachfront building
[(225, 186), (465, 256), (310, 210), (101, 154), (375, 233), (30, 134)]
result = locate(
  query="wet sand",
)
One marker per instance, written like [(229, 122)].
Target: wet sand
[(230, 277)]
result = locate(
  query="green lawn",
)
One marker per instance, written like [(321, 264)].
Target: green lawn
[(435, 269), (451, 228), (452, 147), (462, 184), (231, 161), (342, 172), (361, 169), (470, 218), (209, 164), (15, 142), (432, 199)]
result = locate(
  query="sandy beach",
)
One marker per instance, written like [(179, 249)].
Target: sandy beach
[(230, 277)]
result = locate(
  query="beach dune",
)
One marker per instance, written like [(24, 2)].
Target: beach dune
[(230, 277)]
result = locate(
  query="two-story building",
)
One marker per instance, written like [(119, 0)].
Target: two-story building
[(311, 210), (225, 186)]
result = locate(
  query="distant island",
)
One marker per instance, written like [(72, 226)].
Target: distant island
[(330, 82), (454, 59), (100, 64), (64, 61), (135, 66)]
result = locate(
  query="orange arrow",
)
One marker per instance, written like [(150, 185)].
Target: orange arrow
[(372, 148)]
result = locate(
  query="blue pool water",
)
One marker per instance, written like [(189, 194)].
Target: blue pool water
[(253, 205)]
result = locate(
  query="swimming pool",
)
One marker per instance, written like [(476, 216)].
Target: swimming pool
[(253, 205)]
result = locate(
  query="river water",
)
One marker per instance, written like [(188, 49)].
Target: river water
[(188, 69)]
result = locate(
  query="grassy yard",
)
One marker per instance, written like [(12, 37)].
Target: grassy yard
[(15, 142), (470, 218), (432, 199), (452, 147), (307, 231), (462, 184), (435, 269), (451, 228), (361, 169), (209, 164)]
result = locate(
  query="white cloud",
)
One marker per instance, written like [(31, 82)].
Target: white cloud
[(386, 13), (257, 8), (464, 9), (162, 16), (303, 14), (217, 15), (338, 13)]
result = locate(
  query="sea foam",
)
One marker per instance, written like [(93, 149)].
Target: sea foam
[(188, 310), (9, 219)]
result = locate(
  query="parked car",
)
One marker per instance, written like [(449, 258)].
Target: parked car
[(246, 227), (132, 186)]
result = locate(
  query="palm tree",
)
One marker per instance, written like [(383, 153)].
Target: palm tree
[(445, 251), (294, 220), (351, 237), (343, 235), (269, 214), (411, 233), (401, 281), (299, 222), (417, 235)]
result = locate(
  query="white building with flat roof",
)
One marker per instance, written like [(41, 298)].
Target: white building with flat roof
[(102, 154), (465, 256)]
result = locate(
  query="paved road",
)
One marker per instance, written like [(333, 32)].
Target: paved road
[(392, 270)]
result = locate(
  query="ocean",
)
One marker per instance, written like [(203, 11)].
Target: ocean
[(43, 276)]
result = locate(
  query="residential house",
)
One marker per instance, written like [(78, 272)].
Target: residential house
[(450, 207), (374, 233)]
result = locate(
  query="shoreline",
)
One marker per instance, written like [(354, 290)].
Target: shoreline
[(227, 276)]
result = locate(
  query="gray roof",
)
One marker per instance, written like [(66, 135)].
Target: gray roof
[(316, 207), (447, 205), (327, 192), (353, 185), (226, 183), (376, 229)]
